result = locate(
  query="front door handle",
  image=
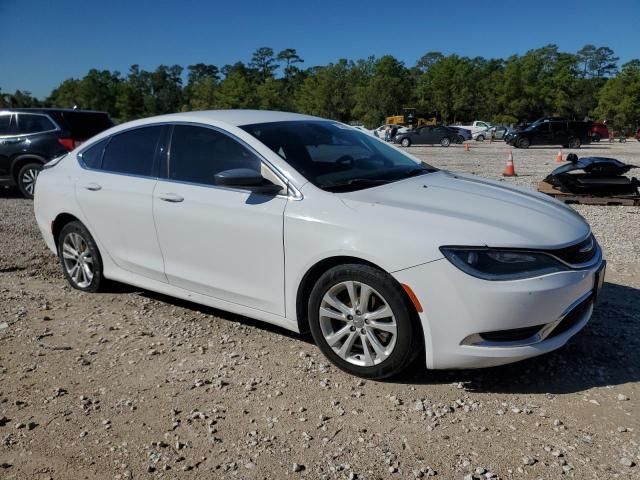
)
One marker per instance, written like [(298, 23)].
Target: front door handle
[(94, 187), (171, 197)]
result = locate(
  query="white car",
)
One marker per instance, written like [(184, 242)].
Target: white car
[(379, 132), (314, 226)]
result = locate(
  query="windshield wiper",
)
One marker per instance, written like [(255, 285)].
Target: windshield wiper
[(355, 183), (414, 172)]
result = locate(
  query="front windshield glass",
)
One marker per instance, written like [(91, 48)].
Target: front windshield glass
[(335, 157)]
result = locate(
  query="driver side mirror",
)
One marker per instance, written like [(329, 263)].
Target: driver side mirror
[(247, 179)]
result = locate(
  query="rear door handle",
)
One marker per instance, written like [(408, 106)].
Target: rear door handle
[(94, 187), (171, 197)]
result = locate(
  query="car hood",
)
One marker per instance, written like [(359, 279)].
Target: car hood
[(443, 208)]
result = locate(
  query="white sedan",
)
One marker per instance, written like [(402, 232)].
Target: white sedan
[(314, 226)]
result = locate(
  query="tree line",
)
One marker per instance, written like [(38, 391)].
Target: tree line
[(543, 81)]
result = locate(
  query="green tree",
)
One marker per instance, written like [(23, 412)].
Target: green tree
[(264, 63), (619, 98), (385, 92), (328, 91), (201, 87)]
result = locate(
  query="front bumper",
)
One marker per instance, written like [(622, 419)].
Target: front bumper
[(459, 308)]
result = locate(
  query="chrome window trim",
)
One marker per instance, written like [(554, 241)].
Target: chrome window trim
[(21, 135), (292, 192)]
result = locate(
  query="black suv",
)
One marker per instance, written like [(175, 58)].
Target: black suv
[(30, 137), (551, 131)]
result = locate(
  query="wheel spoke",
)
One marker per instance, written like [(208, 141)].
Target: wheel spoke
[(381, 352), (337, 304), (337, 336), (382, 312), (325, 312), (365, 294), (346, 347), (352, 294), (69, 250), (368, 358), (88, 274), (383, 326)]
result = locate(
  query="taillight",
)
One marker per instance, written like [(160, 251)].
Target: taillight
[(69, 143)]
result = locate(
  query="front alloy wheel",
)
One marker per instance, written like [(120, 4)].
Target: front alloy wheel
[(445, 142), (405, 142), (80, 258), (362, 321), (358, 324)]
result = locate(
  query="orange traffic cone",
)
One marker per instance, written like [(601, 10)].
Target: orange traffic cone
[(559, 157), (466, 147), (509, 170)]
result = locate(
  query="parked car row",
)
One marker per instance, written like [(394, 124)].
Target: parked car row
[(29, 138)]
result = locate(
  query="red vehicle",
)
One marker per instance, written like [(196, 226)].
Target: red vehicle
[(599, 131)]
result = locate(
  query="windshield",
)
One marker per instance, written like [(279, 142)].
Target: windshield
[(335, 157)]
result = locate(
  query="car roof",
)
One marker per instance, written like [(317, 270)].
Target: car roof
[(50, 110), (234, 117)]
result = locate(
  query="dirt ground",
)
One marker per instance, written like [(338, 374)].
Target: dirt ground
[(131, 384)]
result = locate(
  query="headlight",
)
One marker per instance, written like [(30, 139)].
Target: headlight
[(499, 264)]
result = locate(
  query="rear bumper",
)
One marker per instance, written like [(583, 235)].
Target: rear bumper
[(458, 308)]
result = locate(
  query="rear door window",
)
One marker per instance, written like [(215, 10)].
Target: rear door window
[(31, 123), (133, 152)]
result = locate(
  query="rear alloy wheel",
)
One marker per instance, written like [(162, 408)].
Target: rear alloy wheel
[(523, 143), (361, 321), (574, 143), (480, 138), (80, 259), (27, 177), (445, 142), (405, 142)]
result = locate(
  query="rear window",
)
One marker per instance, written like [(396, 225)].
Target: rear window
[(92, 157), (132, 152), (5, 124), (84, 125), (32, 123)]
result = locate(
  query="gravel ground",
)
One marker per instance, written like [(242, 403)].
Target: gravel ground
[(130, 384)]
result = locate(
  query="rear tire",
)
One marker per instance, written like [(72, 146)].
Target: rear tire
[(574, 143), (80, 259), (342, 317), (27, 176)]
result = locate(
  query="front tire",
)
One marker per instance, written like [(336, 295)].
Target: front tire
[(523, 143), (27, 176), (362, 322), (80, 258), (405, 142), (596, 137), (480, 138), (445, 142)]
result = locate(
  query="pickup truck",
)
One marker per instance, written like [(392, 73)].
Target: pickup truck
[(477, 126)]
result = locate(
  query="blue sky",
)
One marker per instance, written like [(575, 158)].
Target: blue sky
[(44, 42)]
